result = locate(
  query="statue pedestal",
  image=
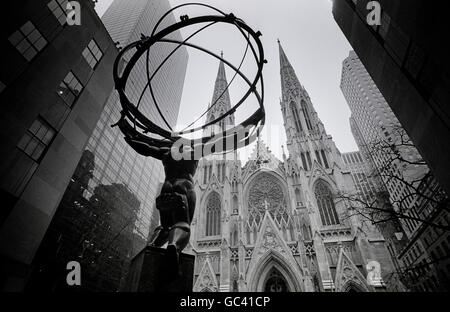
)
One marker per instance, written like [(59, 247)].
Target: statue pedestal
[(149, 272)]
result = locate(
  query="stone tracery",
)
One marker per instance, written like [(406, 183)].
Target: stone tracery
[(266, 194)]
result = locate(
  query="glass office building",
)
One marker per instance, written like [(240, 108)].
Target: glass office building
[(108, 209)]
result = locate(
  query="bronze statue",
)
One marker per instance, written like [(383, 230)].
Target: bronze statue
[(176, 203)]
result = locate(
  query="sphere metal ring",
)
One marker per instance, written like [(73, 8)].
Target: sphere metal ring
[(131, 111)]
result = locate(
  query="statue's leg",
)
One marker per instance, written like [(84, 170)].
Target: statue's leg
[(178, 240), (180, 232), (182, 215), (161, 233)]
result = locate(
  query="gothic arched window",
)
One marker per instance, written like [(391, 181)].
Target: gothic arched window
[(298, 197), (325, 202), (213, 208), (306, 232), (266, 194), (298, 124), (224, 172), (306, 114), (235, 204), (205, 174), (234, 236)]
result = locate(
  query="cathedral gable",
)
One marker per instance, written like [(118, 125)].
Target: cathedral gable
[(206, 280), (270, 240), (347, 274), (262, 158), (270, 248)]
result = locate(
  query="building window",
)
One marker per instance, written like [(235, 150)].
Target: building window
[(318, 158), (92, 54), (224, 171), (58, 8), (308, 157), (235, 205), (325, 204), (234, 238), (298, 124), (298, 197), (385, 23), (205, 174), (28, 41), (213, 215), (325, 161), (415, 60), (69, 89), (37, 139), (307, 116), (307, 234), (305, 166)]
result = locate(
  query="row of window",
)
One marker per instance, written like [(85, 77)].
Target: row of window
[(29, 41), (320, 156), (323, 194), (37, 139), (306, 115), (221, 172)]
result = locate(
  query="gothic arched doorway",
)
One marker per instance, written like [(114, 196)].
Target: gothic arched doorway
[(274, 272), (276, 282), (352, 287)]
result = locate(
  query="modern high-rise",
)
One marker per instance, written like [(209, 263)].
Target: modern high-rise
[(361, 174), (407, 58), (113, 191), (277, 225), (55, 81), (388, 150)]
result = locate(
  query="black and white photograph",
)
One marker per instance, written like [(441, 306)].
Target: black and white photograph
[(224, 147)]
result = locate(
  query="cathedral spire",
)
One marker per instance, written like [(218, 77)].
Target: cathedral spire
[(284, 62), (302, 123), (221, 97), (289, 81)]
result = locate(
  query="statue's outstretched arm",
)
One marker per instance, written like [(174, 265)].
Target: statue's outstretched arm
[(140, 143)]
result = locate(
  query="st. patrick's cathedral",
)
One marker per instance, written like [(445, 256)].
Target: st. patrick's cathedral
[(275, 225)]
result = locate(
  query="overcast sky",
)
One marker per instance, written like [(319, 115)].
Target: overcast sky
[(312, 41)]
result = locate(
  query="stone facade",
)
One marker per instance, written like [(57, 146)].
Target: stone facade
[(274, 225)]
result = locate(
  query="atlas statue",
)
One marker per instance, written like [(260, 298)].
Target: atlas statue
[(178, 154)]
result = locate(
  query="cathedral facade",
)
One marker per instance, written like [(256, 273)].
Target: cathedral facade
[(277, 225)]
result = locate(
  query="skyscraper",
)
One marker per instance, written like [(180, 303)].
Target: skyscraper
[(274, 225), (116, 194), (412, 190), (55, 80), (361, 174), (407, 59)]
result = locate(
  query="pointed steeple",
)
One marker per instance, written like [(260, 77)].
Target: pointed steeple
[(289, 80), (220, 104), (304, 130), (284, 62), (221, 97)]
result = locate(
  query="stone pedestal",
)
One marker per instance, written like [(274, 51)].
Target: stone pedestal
[(149, 272)]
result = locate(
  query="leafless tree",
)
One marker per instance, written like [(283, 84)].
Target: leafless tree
[(399, 163)]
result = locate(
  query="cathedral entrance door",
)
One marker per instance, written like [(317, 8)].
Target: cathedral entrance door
[(276, 282)]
